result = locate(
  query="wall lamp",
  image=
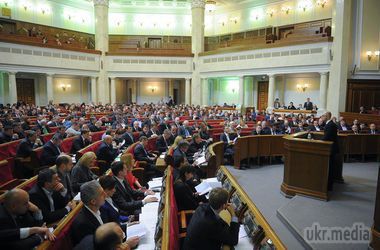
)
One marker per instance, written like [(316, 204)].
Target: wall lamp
[(65, 86), (270, 12), (286, 9), (153, 88), (322, 3), (370, 54), (302, 87)]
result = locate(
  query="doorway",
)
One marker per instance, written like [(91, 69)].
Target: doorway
[(25, 90), (262, 98)]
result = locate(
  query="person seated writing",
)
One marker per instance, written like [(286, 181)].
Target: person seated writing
[(206, 230)]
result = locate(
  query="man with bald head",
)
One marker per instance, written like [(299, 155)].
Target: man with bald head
[(106, 152), (21, 222), (331, 134), (107, 236)]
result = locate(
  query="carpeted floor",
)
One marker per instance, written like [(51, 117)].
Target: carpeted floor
[(352, 202)]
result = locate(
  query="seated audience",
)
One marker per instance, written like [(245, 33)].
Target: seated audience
[(343, 126), (128, 137), (51, 150), (291, 106), (315, 126), (206, 219), (186, 198), (88, 220), (73, 130), (50, 196), (21, 222), (185, 130), (81, 142), (82, 173), (257, 131), (128, 160), (196, 145), (300, 128), (146, 132), (355, 129), (107, 236), (179, 154), (128, 200), (25, 148)]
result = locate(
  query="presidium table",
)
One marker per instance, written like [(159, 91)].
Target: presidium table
[(306, 166)]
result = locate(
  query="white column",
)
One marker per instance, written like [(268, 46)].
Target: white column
[(171, 88), (134, 90), (93, 90), (49, 88), (12, 88), (272, 79), (101, 43), (187, 91), (113, 90), (322, 92), (205, 92), (341, 25), (241, 92), (197, 46)]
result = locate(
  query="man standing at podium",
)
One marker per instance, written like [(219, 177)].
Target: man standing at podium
[(331, 134)]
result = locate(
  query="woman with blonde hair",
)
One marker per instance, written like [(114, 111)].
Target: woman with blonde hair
[(175, 143), (82, 173), (129, 162)]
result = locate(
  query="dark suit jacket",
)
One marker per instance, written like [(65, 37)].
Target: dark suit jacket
[(129, 140), (163, 126), (184, 196), (49, 154), (331, 134), (162, 144), (84, 224), (341, 128), (5, 138), (178, 157), (266, 131), (80, 175), (94, 128), (86, 243), (182, 131), (109, 214), (254, 132), (106, 153), (141, 154), (40, 199), (206, 231), (308, 105), (78, 144), (10, 231), (25, 148), (126, 198)]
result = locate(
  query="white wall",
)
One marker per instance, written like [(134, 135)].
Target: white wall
[(291, 94)]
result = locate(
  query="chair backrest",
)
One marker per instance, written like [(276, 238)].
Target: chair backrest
[(152, 144), (93, 147), (47, 137), (67, 144), (8, 149), (97, 136), (5, 172)]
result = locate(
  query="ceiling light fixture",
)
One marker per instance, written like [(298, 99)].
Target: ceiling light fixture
[(210, 6)]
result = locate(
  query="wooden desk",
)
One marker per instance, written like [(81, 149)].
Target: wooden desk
[(306, 166), (161, 164), (294, 111), (349, 117)]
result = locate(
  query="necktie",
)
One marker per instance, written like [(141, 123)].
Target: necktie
[(187, 133)]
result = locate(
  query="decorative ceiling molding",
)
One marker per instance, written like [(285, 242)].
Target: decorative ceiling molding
[(198, 4), (101, 2)]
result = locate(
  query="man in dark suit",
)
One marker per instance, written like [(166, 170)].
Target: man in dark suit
[(126, 199), (265, 130), (88, 219), (185, 130), (164, 141), (95, 127), (196, 145), (145, 132), (81, 142), (63, 167), (6, 135), (106, 152), (21, 222), (128, 137), (331, 134), (206, 219), (372, 129), (25, 148), (315, 126), (50, 197), (308, 105), (141, 154), (343, 126), (164, 125), (179, 154), (51, 151), (300, 128)]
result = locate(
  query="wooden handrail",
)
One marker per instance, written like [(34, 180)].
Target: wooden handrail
[(166, 220)]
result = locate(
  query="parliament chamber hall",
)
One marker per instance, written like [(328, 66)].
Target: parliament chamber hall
[(189, 124)]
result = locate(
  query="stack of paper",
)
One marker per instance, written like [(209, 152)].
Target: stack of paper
[(138, 230)]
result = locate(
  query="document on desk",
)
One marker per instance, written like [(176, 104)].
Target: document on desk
[(203, 188), (200, 160), (136, 230), (157, 195), (242, 232), (155, 184), (213, 182), (77, 197)]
